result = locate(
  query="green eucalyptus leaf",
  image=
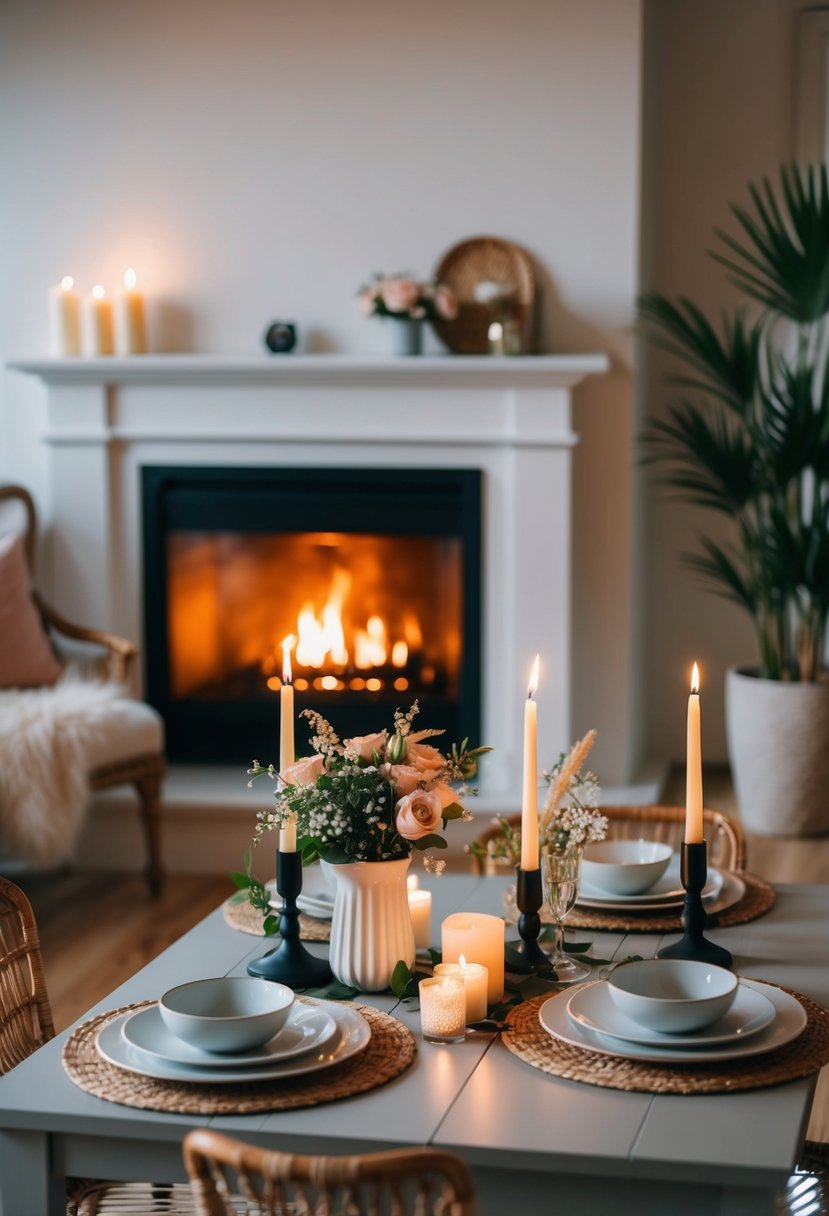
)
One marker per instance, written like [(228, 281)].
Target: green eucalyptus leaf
[(401, 977), (270, 925), (240, 880)]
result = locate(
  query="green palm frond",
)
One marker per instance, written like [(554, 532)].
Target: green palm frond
[(710, 462), (782, 259)]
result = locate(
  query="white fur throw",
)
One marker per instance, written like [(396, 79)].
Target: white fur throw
[(45, 735)]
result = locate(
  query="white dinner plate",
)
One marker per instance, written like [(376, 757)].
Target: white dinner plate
[(320, 905), (307, 1028), (592, 1007), (667, 891), (351, 1036), (789, 1021)]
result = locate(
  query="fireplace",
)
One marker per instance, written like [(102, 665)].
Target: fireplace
[(375, 573)]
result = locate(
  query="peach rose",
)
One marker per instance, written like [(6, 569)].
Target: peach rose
[(305, 771), (399, 295), (423, 756), (363, 747), (418, 814), (406, 778), (446, 303)]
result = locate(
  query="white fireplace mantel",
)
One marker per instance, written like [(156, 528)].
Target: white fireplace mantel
[(508, 417)]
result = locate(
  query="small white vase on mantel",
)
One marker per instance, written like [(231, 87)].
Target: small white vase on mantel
[(371, 928)]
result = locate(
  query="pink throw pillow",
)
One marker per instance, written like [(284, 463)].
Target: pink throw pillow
[(26, 658)]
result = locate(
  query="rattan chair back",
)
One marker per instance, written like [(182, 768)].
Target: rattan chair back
[(725, 837), (25, 1014), (421, 1182)]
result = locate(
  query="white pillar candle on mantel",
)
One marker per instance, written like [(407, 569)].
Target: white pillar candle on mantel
[(64, 318), (287, 752), (443, 1008), (130, 323), (479, 937), (475, 977), (420, 910), (693, 769), (97, 323), (529, 802)]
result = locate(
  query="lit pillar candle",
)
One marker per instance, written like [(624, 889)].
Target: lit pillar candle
[(97, 323), (130, 324), (443, 1009), (475, 977), (693, 767), (529, 803), (480, 939), (495, 338), (287, 752), (64, 318), (420, 910)]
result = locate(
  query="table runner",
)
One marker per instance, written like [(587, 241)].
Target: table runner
[(526, 1038), (390, 1051)]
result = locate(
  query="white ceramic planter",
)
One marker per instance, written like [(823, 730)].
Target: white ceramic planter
[(778, 746), (371, 928)]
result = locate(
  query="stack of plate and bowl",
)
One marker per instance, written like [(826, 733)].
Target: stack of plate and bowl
[(231, 1030), (674, 1011), (640, 877)]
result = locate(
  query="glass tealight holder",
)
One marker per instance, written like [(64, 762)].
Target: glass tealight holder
[(443, 1009)]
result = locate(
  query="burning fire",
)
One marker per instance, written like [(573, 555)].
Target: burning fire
[(350, 661)]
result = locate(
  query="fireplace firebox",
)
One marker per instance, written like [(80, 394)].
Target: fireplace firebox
[(375, 574)]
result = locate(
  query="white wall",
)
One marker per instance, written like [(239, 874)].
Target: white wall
[(719, 107), (260, 159)]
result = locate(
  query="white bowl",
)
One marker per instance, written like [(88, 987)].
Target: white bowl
[(625, 867), (672, 995), (232, 1013)]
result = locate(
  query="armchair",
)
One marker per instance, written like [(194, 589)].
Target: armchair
[(127, 745)]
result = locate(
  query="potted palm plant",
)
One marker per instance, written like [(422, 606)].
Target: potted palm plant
[(748, 437)]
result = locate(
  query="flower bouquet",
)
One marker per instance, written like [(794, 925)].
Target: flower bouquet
[(362, 805), (407, 298)]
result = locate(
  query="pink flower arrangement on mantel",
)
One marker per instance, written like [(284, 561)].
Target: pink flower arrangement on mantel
[(408, 299), (370, 798)]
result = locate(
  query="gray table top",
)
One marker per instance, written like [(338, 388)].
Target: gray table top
[(477, 1097)]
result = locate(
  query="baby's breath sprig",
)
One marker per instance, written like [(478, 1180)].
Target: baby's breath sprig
[(403, 722), (324, 740)]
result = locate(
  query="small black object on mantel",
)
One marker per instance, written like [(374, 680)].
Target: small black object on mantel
[(529, 898), (280, 337), (290, 963), (693, 944)]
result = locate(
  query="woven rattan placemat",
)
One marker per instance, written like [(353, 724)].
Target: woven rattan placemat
[(759, 898), (527, 1039), (247, 919), (390, 1051)]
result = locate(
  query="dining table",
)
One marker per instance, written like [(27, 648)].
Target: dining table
[(546, 1143)]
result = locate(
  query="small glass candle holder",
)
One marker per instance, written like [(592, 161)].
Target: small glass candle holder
[(443, 1009), (474, 976)]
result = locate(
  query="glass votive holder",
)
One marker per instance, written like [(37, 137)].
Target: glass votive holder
[(443, 1009)]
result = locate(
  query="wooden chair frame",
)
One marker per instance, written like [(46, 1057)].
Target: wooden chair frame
[(643, 820), (262, 1176), (144, 772)]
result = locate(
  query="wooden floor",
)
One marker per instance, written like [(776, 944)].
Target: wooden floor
[(97, 929)]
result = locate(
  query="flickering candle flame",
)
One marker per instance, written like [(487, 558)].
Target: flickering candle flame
[(288, 644), (98, 292), (413, 882), (67, 282), (533, 685), (130, 279), (695, 678)]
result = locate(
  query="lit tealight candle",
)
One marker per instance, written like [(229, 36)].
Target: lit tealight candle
[(529, 803), (480, 939), (693, 762), (287, 752), (420, 910), (130, 324), (443, 1009), (474, 976), (495, 335), (64, 318), (97, 323)]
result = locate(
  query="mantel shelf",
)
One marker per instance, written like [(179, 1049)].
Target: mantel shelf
[(554, 371)]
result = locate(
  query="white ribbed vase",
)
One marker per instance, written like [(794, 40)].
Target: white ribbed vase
[(371, 929)]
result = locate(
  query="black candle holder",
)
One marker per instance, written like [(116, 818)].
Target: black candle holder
[(693, 944), (529, 898), (290, 963)]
